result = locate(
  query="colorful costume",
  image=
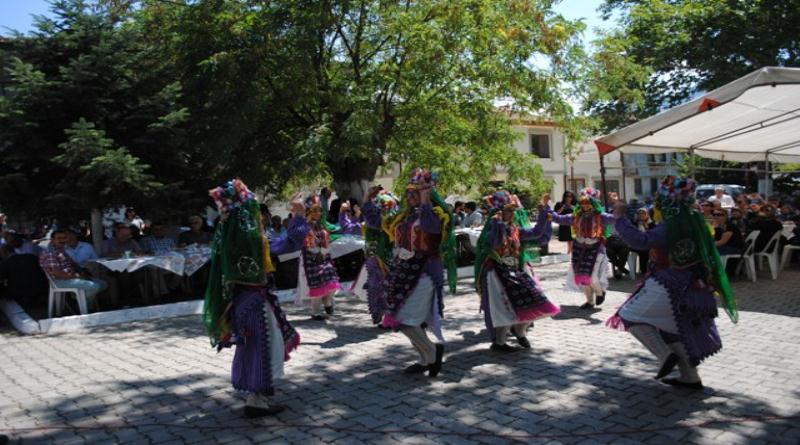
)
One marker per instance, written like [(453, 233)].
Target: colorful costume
[(511, 296), (589, 271), (240, 308), (378, 253), (423, 236), (672, 313), (318, 280)]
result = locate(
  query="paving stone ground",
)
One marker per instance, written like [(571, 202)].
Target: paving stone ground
[(160, 382)]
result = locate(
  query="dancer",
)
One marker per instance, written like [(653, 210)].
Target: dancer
[(423, 236), (672, 313), (380, 206), (589, 271), (240, 308), (511, 297), (317, 279)]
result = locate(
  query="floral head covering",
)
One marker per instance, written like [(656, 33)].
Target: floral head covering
[(502, 200), (421, 178), (387, 202)]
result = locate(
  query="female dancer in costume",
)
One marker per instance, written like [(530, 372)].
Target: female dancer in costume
[(318, 279), (511, 297), (380, 206), (240, 308), (589, 271), (672, 313), (423, 235)]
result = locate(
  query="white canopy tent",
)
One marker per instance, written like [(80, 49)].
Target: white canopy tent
[(753, 119)]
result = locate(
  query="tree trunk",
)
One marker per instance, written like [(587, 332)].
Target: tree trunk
[(351, 177), (97, 229)]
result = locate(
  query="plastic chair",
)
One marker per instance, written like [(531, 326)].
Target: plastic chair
[(787, 254), (58, 295), (746, 257), (770, 252)]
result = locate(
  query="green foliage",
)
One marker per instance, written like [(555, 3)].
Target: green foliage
[(81, 86), (665, 51), (98, 174), (347, 86), (278, 93)]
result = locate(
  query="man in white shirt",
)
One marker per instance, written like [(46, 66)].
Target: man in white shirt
[(79, 251), (724, 200), (474, 217)]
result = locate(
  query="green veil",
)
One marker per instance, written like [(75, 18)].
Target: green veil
[(690, 242), (239, 255), (688, 237)]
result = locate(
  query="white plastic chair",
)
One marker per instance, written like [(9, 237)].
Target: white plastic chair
[(770, 252), (746, 257), (787, 254), (58, 296)]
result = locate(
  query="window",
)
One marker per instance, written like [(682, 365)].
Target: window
[(637, 186), (577, 184), (612, 185), (653, 186), (540, 145)]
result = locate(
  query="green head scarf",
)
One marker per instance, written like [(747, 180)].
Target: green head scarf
[(689, 239), (239, 254)]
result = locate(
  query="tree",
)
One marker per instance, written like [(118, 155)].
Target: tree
[(82, 86), (343, 87), (666, 51), (98, 174)]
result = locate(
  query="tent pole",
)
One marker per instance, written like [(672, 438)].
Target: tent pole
[(624, 190), (603, 180), (767, 175)]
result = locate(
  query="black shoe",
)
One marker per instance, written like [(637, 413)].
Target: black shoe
[(524, 342), (587, 306), (617, 276), (433, 369), (329, 310), (253, 412), (668, 366), (600, 299), (319, 317), (681, 384), (416, 368), (503, 348)]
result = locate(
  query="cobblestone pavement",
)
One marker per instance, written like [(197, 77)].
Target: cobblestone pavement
[(160, 382)]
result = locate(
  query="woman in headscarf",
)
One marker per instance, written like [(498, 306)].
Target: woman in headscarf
[(380, 206), (240, 308), (511, 296), (672, 313), (589, 271), (318, 279), (423, 237)]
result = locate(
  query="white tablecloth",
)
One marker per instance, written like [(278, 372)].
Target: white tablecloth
[(473, 232), (183, 262), (340, 247)]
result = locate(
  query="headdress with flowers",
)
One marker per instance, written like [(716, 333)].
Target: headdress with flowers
[(387, 202), (239, 254), (312, 201), (501, 200), (689, 239), (421, 178)]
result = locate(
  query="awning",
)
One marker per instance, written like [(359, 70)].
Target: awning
[(746, 120)]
